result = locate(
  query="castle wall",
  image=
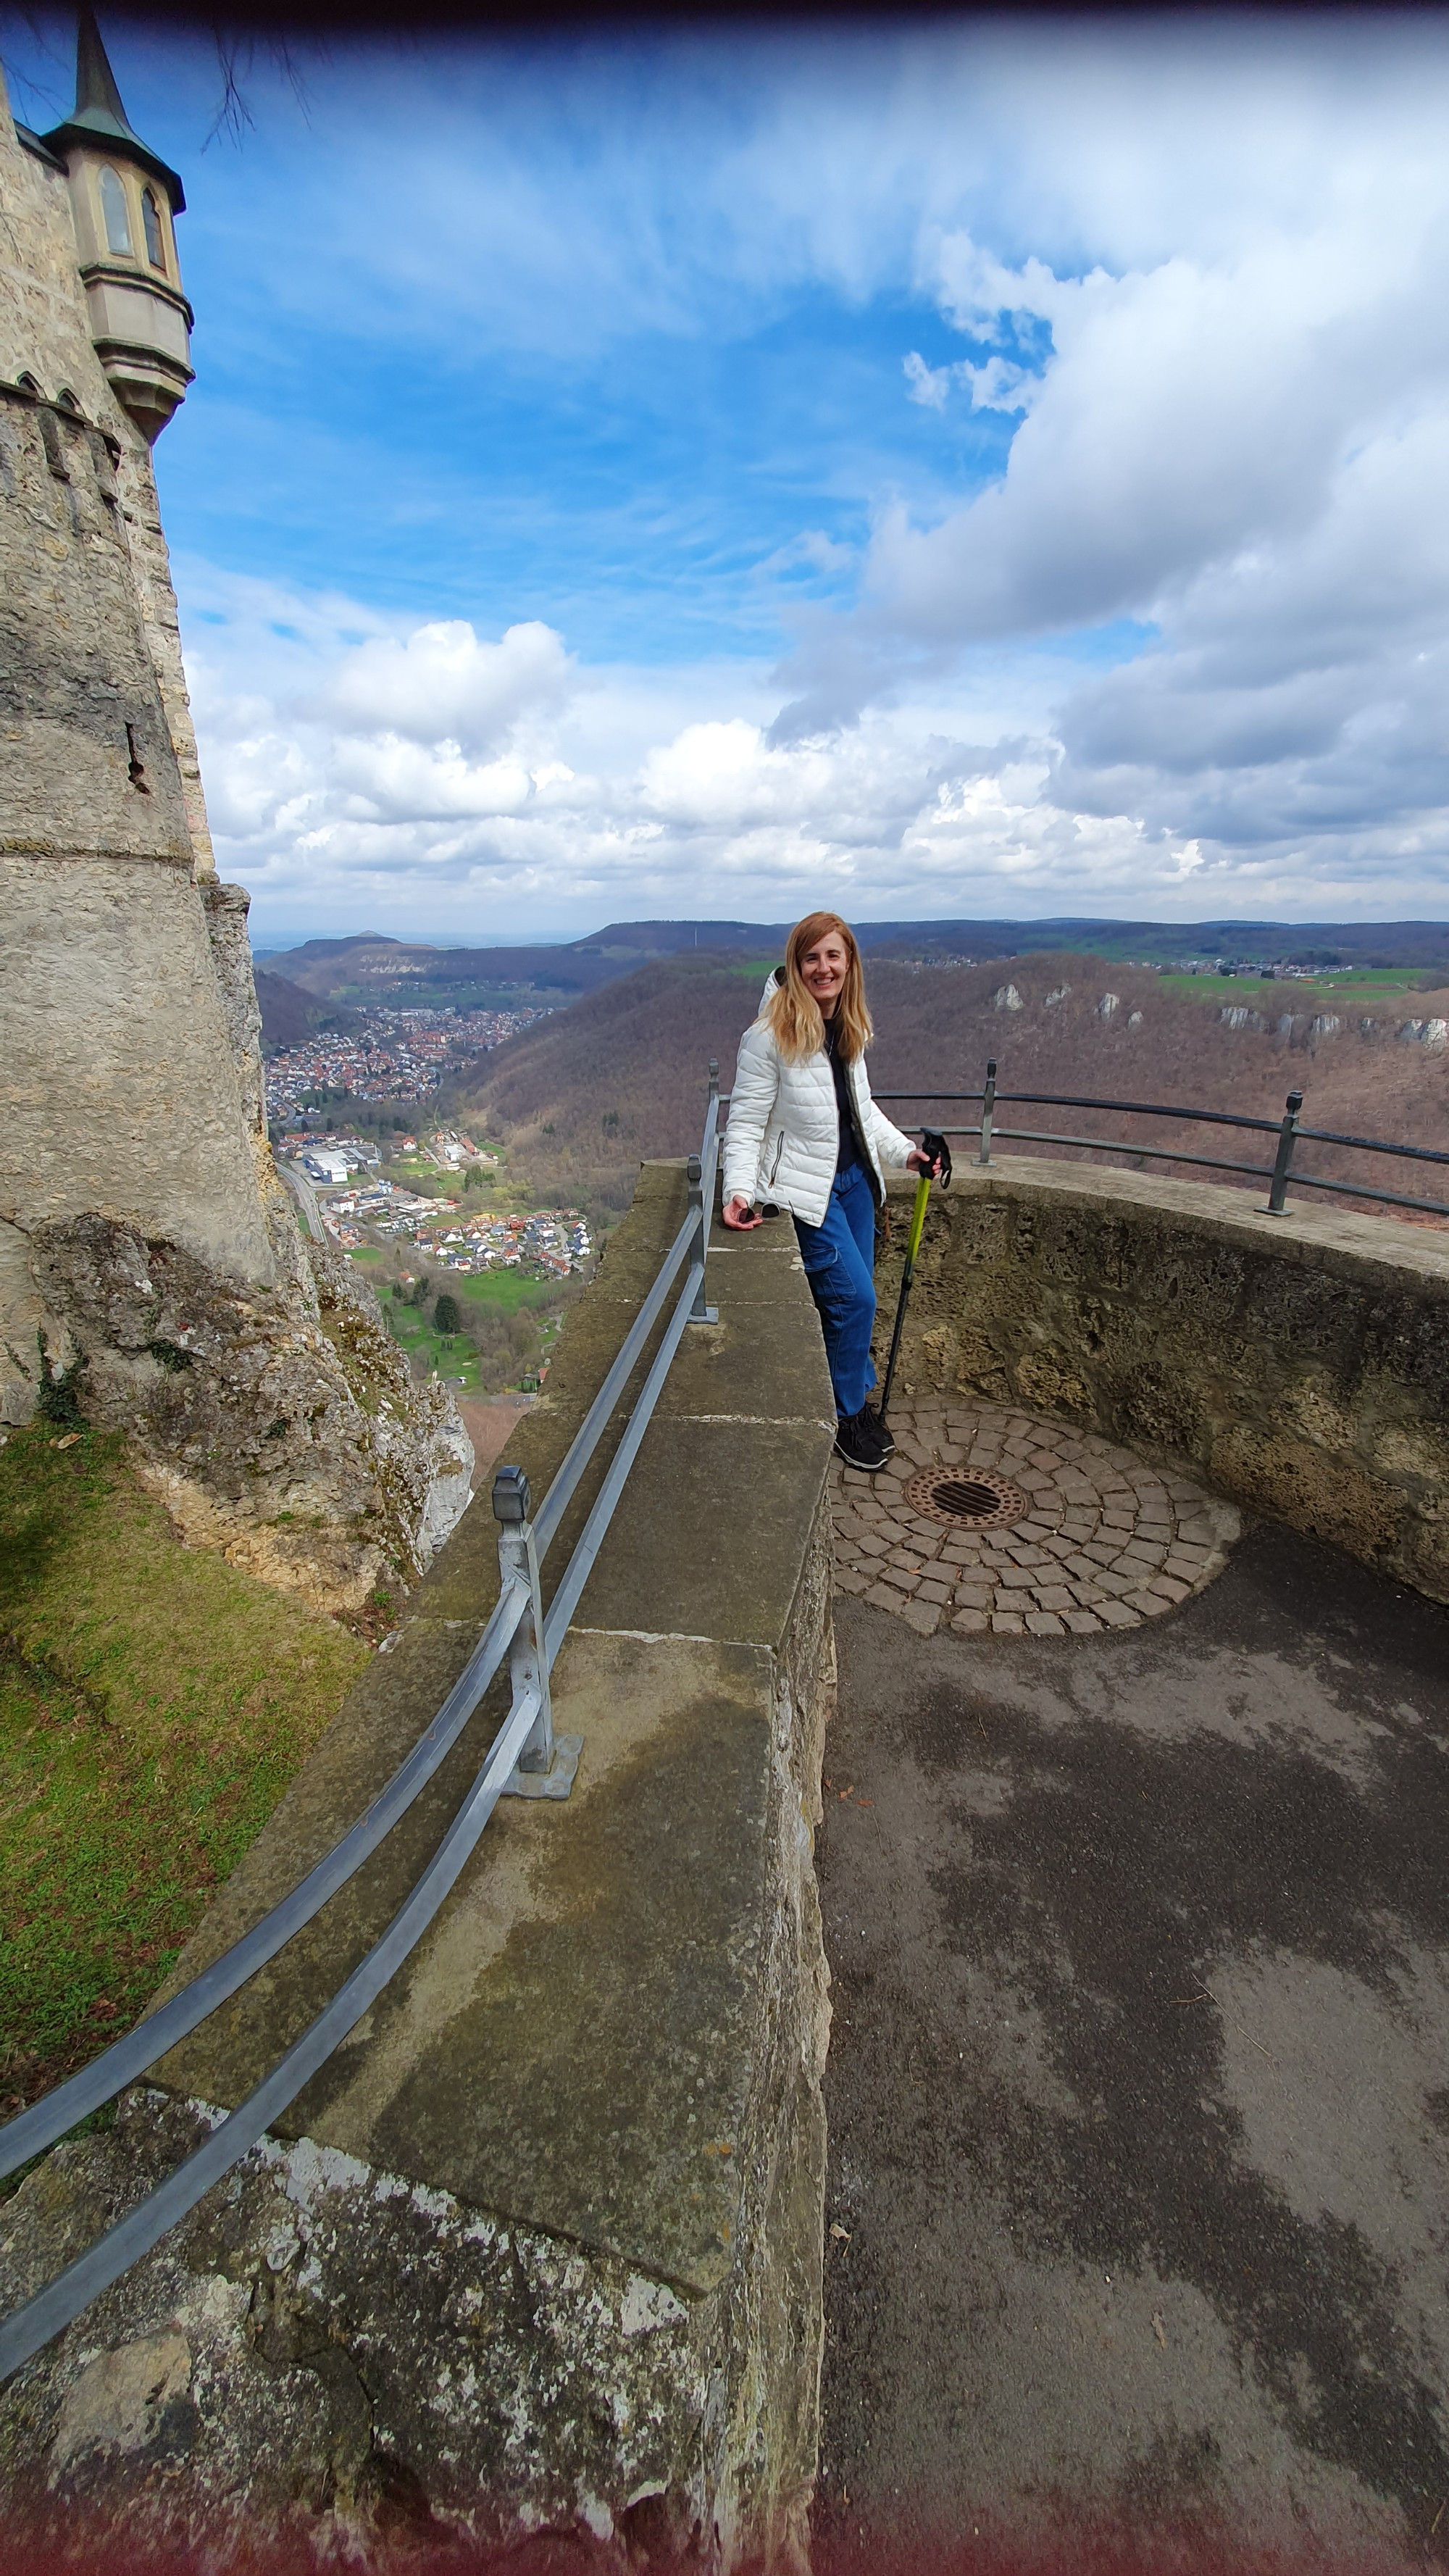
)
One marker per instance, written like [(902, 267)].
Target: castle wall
[(148, 1252), (45, 334), (127, 1055), (123, 1078), (122, 1093)]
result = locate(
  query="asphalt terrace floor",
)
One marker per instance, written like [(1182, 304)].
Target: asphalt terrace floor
[(1138, 2085)]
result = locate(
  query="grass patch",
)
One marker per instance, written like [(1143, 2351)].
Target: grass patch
[(367, 1254), (1361, 991), (154, 1704), (503, 1290), (451, 1354)]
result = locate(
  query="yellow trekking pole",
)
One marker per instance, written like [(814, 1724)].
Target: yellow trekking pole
[(935, 1145)]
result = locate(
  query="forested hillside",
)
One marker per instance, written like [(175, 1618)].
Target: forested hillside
[(621, 1076)]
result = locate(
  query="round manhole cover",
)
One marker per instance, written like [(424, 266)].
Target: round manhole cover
[(967, 1501)]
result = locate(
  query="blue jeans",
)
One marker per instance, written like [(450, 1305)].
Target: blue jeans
[(839, 1258)]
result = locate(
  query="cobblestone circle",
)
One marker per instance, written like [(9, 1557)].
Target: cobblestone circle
[(1105, 1542)]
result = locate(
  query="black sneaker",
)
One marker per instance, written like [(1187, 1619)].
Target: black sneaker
[(856, 1443), (883, 1441)]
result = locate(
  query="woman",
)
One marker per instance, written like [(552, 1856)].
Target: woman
[(805, 1134)]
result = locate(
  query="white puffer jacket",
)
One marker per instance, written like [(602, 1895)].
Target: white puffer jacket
[(783, 1136)]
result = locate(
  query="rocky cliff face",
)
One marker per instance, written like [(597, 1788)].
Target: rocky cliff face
[(278, 1423)]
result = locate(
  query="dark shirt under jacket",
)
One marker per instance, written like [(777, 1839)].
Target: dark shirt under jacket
[(848, 1153)]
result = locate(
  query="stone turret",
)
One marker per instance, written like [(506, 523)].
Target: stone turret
[(125, 201)]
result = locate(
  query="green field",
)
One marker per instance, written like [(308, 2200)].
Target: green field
[(1394, 991), (452, 1355), (504, 1290), (154, 1704), (430, 1180)]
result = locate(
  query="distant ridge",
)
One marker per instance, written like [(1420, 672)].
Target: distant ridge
[(374, 963)]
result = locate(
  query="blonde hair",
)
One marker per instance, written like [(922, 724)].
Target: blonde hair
[(792, 1010)]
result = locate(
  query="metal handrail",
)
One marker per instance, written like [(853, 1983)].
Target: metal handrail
[(1279, 1176), (1375, 1145), (1072, 1100), (523, 1746), (1160, 1153)]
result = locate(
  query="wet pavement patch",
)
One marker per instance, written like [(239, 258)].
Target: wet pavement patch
[(1138, 2072)]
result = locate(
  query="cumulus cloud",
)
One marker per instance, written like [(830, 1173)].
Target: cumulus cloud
[(998, 385), (627, 791), (616, 790), (443, 682), (1169, 636), (1239, 451)]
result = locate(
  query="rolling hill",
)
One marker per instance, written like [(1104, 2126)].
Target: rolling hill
[(621, 1076), (369, 967)]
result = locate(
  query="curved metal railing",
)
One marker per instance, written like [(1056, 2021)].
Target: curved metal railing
[(1281, 1174), (525, 1758)]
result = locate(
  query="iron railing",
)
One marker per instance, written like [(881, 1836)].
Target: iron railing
[(526, 1759), (1282, 1172)]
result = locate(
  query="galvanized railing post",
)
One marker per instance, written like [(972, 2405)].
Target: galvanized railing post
[(546, 1763), (1283, 1163), (700, 1312), (988, 1105)]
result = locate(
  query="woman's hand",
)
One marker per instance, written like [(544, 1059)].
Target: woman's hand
[(738, 1214), (916, 1161)]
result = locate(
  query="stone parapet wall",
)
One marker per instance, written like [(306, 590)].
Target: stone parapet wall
[(1300, 1364), (540, 2249)]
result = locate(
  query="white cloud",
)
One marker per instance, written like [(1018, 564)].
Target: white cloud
[(1184, 651), (1240, 446), (613, 791), (929, 386), (629, 792), (441, 682), (999, 385)]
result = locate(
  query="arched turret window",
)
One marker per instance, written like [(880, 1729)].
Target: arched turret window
[(65, 401), (155, 238), (116, 213)]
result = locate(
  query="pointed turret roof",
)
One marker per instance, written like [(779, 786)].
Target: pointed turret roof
[(99, 117)]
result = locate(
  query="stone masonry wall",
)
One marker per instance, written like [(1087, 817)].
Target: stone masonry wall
[(149, 1256), (122, 1075), (1299, 1363), (538, 2254), (45, 335)]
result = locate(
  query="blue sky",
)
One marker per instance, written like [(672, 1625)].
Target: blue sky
[(966, 471)]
